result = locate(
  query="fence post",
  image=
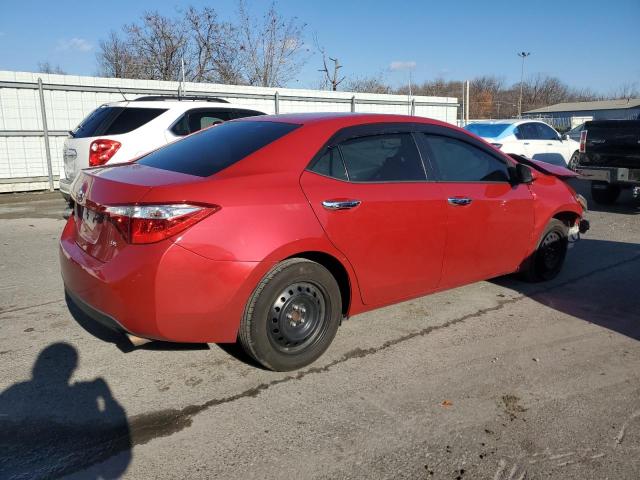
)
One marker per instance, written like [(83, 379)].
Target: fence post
[(276, 100), (47, 148), (353, 104)]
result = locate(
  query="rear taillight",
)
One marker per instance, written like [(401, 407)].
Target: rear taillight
[(152, 223), (101, 151), (583, 141)]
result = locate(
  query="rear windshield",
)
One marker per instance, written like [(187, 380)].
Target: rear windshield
[(115, 121), (487, 130), (214, 149)]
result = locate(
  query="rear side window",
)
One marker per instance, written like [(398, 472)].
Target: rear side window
[(458, 161), (330, 165), (527, 131), (97, 122), (115, 121), (487, 130), (215, 149), (131, 119), (195, 120), (383, 158), (246, 113)]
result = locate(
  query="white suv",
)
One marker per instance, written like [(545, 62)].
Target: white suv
[(121, 131)]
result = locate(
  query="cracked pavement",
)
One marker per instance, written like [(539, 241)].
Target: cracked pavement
[(499, 380)]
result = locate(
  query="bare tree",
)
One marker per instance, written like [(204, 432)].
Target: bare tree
[(116, 58), (374, 84), (271, 48), (214, 51), (626, 90), (159, 44), (266, 52), (46, 67), (331, 78)]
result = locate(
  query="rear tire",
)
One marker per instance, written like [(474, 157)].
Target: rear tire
[(547, 260), (573, 161), (292, 316), (604, 193)]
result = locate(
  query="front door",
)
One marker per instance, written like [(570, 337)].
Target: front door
[(489, 220)]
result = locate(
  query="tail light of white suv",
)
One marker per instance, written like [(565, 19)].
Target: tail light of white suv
[(101, 151)]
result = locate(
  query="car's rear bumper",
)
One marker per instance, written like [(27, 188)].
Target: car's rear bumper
[(630, 176), (65, 188), (159, 291)]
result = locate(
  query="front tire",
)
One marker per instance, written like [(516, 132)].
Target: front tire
[(604, 193), (547, 260), (292, 316)]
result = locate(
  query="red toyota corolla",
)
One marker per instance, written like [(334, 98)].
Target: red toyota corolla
[(272, 229)]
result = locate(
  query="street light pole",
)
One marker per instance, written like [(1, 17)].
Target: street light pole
[(522, 55)]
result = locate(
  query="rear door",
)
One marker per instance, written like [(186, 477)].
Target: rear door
[(489, 220), (528, 135), (373, 199)]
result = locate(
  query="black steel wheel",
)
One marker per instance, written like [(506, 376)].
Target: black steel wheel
[(547, 260), (297, 317), (292, 316)]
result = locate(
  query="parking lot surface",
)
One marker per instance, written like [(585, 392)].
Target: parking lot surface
[(499, 380)]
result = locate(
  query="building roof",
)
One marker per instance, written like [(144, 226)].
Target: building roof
[(584, 106)]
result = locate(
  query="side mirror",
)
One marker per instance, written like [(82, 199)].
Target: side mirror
[(524, 174), (564, 137)]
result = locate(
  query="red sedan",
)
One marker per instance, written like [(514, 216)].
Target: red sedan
[(272, 229)]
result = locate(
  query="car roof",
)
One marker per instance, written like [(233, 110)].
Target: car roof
[(343, 119), (508, 121), (177, 105)]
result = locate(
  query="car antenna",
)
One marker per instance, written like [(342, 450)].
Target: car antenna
[(123, 96)]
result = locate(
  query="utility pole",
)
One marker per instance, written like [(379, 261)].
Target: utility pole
[(466, 104), (522, 55), (410, 93), (462, 109)]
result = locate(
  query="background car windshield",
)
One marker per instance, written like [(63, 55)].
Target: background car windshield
[(212, 150), (488, 130)]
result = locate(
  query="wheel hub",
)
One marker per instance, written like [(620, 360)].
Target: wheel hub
[(297, 316)]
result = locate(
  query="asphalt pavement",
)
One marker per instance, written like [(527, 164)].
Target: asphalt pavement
[(498, 380)]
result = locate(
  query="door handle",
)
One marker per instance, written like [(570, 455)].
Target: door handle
[(340, 204), (526, 143), (459, 201)]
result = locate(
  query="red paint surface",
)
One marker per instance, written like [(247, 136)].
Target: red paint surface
[(403, 241)]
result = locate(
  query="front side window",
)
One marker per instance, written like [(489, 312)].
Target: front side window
[(458, 161), (545, 132), (215, 149), (382, 158)]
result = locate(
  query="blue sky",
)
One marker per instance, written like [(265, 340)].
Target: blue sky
[(586, 44)]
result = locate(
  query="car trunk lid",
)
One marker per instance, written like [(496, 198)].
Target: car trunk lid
[(125, 184)]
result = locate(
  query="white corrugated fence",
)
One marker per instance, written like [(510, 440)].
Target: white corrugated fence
[(68, 99)]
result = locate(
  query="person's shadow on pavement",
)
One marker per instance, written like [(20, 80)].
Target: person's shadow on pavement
[(50, 427)]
